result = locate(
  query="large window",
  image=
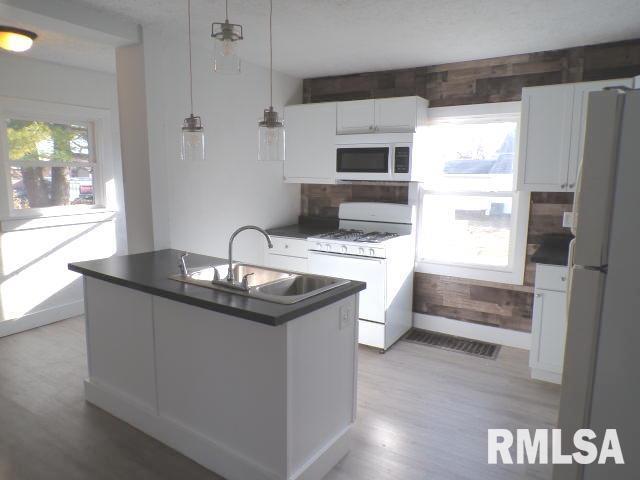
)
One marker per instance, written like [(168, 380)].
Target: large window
[(473, 223), (50, 164)]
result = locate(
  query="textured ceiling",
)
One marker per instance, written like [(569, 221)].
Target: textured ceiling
[(327, 37)]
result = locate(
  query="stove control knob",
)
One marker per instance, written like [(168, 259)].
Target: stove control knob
[(361, 251), (372, 252), (327, 247), (344, 249), (319, 246)]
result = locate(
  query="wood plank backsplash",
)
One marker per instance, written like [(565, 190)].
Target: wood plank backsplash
[(497, 79), (479, 81)]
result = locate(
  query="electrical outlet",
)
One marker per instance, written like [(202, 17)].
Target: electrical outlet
[(345, 317), (567, 219)]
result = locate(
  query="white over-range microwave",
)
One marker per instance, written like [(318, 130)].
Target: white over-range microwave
[(376, 157)]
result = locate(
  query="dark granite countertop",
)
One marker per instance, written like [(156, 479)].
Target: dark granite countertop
[(307, 227), (149, 272), (553, 249)]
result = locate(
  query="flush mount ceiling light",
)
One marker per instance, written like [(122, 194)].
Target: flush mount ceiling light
[(271, 129), (16, 39), (225, 57), (192, 129)]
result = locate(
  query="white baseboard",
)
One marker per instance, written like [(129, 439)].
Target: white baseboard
[(41, 318), (546, 375), (485, 333), (320, 464)]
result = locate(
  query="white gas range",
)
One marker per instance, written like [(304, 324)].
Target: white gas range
[(375, 244)]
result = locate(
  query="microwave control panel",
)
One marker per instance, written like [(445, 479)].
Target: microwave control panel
[(401, 159)]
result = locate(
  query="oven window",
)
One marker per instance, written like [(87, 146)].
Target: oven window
[(366, 160)]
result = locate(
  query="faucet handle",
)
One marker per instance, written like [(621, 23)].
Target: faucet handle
[(245, 280), (216, 275)]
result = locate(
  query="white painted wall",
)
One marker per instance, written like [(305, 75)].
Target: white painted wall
[(197, 206), (35, 286), (132, 105)]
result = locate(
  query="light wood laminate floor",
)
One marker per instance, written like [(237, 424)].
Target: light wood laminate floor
[(423, 413)]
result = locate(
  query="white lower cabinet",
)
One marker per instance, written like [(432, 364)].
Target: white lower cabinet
[(284, 262), (287, 254), (549, 329)]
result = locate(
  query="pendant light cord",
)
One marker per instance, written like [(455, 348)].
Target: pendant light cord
[(226, 9), (271, 53), (190, 60)]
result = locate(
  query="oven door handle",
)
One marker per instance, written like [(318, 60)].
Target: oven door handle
[(343, 255)]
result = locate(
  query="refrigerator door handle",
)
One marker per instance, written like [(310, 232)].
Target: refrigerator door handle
[(570, 274)]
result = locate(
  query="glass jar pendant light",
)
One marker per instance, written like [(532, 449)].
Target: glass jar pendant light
[(192, 129), (227, 35), (271, 128)]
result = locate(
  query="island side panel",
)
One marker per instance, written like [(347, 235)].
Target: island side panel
[(321, 376), (224, 378), (120, 341)]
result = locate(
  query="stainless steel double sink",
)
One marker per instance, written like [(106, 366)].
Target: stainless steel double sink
[(265, 283)]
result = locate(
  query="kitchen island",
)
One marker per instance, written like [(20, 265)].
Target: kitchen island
[(248, 388)]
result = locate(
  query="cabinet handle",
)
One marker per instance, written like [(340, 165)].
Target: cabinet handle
[(370, 127), (564, 185), (571, 185), (538, 295), (563, 279)]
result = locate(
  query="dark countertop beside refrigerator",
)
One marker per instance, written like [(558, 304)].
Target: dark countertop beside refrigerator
[(149, 272), (553, 249), (305, 228)]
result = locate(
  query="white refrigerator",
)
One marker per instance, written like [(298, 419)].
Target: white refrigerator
[(601, 377)]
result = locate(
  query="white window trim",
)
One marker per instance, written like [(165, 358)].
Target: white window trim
[(514, 273), (100, 131)]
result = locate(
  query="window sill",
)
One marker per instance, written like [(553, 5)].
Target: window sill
[(30, 221), (471, 272)]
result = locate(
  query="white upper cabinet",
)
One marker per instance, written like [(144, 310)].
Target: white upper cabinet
[(310, 155), (357, 116), (397, 114), (552, 134), (390, 115), (545, 138), (580, 102)]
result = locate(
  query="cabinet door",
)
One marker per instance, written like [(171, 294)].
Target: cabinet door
[(310, 147), (549, 331), (580, 102), (285, 262), (396, 114), (357, 116), (545, 138)]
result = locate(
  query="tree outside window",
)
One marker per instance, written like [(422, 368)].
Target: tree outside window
[(51, 164)]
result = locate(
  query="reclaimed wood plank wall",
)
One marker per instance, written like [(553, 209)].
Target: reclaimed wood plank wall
[(479, 81)]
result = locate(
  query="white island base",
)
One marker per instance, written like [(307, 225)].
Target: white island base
[(246, 400)]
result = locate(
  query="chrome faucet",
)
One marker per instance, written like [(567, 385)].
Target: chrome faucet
[(182, 265), (230, 276)]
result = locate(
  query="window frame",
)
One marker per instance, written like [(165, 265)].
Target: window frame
[(95, 119), (513, 273)]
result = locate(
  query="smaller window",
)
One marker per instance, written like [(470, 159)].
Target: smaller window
[(50, 164)]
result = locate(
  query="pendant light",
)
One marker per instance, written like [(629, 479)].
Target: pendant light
[(225, 56), (192, 129), (271, 129), (16, 39)]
